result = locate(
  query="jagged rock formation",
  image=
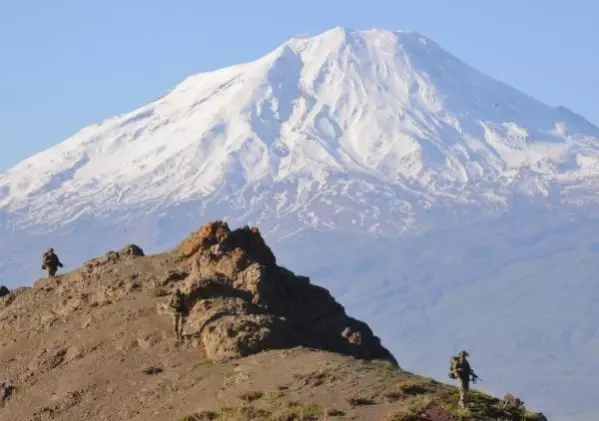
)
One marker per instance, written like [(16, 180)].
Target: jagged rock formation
[(241, 302)]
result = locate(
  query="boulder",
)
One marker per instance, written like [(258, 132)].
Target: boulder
[(131, 250), (239, 335)]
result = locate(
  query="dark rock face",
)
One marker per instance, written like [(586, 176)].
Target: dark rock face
[(131, 250), (242, 303)]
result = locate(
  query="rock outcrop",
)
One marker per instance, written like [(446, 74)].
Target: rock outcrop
[(111, 257), (4, 291), (241, 302), (131, 250)]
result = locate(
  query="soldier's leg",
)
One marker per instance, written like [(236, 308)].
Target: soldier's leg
[(51, 271), (466, 390), (461, 403), (464, 386), (176, 317), (182, 324)]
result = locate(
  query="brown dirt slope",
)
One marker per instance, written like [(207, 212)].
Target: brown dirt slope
[(260, 344)]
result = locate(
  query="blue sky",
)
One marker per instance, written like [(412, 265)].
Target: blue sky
[(65, 64)]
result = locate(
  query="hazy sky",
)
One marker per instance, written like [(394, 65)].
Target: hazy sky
[(65, 64)]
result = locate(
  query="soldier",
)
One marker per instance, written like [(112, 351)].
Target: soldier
[(461, 371), (50, 262), (179, 309)]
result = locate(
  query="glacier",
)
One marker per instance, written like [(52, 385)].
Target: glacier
[(441, 206)]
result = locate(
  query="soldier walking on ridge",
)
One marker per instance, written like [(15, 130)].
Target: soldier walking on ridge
[(179, 308), (50, 262), (460, 370)]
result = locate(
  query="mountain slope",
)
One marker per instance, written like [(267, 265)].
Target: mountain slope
[(94, 344), (357, 145)]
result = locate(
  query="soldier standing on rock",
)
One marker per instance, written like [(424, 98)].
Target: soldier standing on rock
[(179, 309), (460, 370), (50, 262)]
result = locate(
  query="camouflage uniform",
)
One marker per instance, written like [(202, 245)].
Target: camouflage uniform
[(50, 262), (463, 372), (179, 309)]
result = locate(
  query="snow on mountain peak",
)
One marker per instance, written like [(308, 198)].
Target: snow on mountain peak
[(391, 109)]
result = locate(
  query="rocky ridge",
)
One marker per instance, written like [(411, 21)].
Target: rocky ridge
[(95, 344)]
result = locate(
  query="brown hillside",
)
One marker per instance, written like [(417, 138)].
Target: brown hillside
[(260, 343)]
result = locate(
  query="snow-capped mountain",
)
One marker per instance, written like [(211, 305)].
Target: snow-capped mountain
[(364, 134), (360, 115)]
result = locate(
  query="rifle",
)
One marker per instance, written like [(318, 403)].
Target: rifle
[(475, 378)]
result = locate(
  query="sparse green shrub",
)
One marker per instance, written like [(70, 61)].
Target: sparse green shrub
[(411, 388), (201, 416), (226, 412), (401, 416), (360, 401), (298, 412), (393, 396), (335, 413), (272, 396), (315, 378), (251, 396), (252, 413), (420, 404)]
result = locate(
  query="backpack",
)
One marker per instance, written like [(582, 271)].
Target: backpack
[(49, 259), (452, 367)]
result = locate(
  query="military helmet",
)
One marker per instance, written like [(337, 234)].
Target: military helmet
[(463, 354), (50, 250)]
